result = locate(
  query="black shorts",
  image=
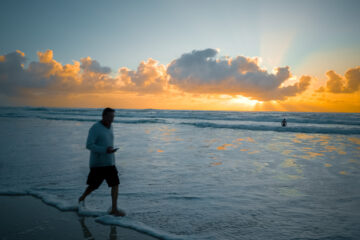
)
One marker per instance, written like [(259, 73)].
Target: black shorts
[(98, 174)]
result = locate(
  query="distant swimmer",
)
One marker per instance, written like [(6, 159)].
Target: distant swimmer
[(283, 122)]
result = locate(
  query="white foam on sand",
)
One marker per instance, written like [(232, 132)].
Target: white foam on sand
[(138, 226)]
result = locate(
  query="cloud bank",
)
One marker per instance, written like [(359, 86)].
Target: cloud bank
[(197, 72), (201, 72)]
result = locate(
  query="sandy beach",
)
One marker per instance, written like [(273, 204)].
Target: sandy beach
[(26, 217)]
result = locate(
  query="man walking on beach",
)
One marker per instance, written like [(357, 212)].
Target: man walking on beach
[(100, 142)]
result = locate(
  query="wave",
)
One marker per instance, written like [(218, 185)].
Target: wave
[(82, 119), (295, 129), (269, 117), (38, 109), (327, 123), (135, 121)]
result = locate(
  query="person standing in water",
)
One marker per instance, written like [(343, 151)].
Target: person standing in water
[(100, 142), (283, 122)]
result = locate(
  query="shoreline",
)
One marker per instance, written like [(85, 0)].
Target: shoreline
[(28, 217)]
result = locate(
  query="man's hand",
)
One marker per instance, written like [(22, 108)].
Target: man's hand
[(111, 150)]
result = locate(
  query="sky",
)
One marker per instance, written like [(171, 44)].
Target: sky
[(180, 54)]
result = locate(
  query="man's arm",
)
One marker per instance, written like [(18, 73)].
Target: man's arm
[(90, 143)]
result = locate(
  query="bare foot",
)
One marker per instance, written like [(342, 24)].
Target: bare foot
[(82, 198), (117, 213)]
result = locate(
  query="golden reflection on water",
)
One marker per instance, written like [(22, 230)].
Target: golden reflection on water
[(330, 148), (343, 173), (216, 163), (224, 146), (303, 136), (300, 137), (323, 141), (314, 154), (309, 155), (167, 134), (249, 139), (160, 151), (210, 141), (287, 152), (327, 165), (354, 140), (341, 152), (289, 163)]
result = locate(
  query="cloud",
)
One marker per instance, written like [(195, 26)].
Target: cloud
[(49, 76), (87, 64), (87, 75), (11, 72), (201, 72), (336, 83), (150, 77)]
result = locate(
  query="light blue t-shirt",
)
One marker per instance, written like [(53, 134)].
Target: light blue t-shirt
[(99, 139)]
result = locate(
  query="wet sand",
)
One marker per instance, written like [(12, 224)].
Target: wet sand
[(26, 217)]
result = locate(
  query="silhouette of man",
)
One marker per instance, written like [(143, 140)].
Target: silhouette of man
[(100, 142), (283, 122)]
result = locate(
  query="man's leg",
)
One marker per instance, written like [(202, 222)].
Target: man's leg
[(88, 190), (114, 197)]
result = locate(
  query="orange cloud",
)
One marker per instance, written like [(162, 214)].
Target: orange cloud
[(49, 76), (349, 83), (150, 77)]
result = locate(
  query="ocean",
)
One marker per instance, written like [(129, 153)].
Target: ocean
[(195, 174)]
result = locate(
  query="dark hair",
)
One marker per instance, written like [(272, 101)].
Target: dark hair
[(107, 110)]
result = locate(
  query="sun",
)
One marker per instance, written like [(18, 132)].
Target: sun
[(244, 102)]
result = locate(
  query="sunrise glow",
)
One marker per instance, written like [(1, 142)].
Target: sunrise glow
[(279, 61)]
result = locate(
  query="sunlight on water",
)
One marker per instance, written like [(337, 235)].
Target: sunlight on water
[(224, 146), (354, 140), (289, 163), (216, 163)]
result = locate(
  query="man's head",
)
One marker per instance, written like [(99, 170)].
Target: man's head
[(108, 115)]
